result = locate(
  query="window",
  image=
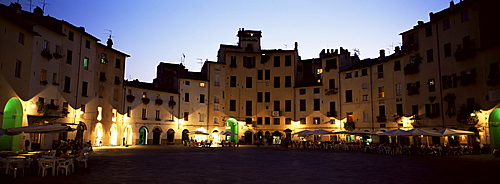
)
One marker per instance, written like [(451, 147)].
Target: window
[(366, 117), (316, 90), (432, 85), (186, 116), (428, 31), (288, 81), (54, 79), (277, 82), (288, 105), (87, 44), (380, 70), (259, 120), (364, 72), (267, 75), (216, 107), (71, 35), (449, 81), (43, 77), (432, 110), (86, 63), (46, 45), (288, 121), (232, 105), (302, 91), (202, 84), (186, 97), (259, 96), (276, 121), (102, 77), (397, 65), (365, 97), (267, 97), (288, 60), (216, 80), (69, 57), (233, 62), (248, 82), (331, 84), (348, 75), (117, 80), (260, 75), (465, 16), (277, 61), (430, 56), (104, 59), (381, 111), (356, 73), (216, 120), (317, 104), (276, 105), (201, 117), (67, 83), (248, 108), (316, 121), (188, 83), (144, 114), (20, 39), (129, 111), (202, 98), (302, 104), (216, 100), (364, 86), (302, 121), (157, 115), (399, 109), (267, 121), (118, 63), (447, 50), (84, 88), (348, 96), (381, 92), (399, 90), (232, 81), (217, 68), (249, 62), (17, 72), (446, 24)]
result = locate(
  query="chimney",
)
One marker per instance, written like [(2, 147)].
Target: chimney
[(296, 46), (451, 4), (38, 11), (420, 22), (382, 53), (397, 49), (109, 42)]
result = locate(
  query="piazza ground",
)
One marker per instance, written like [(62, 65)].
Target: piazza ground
[(249, 164)]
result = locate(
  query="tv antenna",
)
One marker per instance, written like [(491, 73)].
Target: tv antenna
[(110, 33), (356, 51), (183, 58), (31, 4), (286, 46), (43, 4)]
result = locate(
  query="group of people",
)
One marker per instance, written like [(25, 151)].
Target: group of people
[(195, 143)]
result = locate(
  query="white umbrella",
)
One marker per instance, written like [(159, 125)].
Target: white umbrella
[(37, 129), (229, 133), (395, 132), (451, 132)]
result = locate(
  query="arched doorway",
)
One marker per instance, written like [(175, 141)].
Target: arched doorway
[(267, 138), (12, 117), (127, 135), (185, 134), (494, 124), (170, 136), (233, 124), (276, 137), (113, 137), (259, 137), (288, 137), (248, 137), (143, 136), (98, 134), (156, 135)]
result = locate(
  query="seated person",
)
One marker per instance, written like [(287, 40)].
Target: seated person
[(64, 155)]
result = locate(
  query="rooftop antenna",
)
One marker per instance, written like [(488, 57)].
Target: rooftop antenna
[(357, 51), (31, 4), (43, 5), (110, 34), (183, 58), (200, 61), (286, 46)]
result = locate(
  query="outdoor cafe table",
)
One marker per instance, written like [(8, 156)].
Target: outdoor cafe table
[(7, 162), (54, 163)]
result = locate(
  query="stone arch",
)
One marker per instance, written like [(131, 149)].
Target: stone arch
[(157, 135), (127, 135), (143, 135), (170, 136), (113, 135), (494, 126), (99, 132), (12, 117), (248, 137)]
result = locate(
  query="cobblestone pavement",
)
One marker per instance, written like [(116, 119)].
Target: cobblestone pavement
[(179, 164)]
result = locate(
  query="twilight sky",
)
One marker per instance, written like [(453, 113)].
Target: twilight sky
[(154, 31)]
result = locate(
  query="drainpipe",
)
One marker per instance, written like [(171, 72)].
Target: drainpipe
[(440, 78)]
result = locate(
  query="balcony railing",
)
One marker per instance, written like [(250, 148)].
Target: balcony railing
[(331, 91)]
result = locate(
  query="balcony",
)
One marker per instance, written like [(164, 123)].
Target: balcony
[(331, 91), (171, 103), (413, 90), (331, 114), (145, 101), (46, 54), (381, 119), (409, 47), (350, 126), (464, 54), (158, 101), (130, 98)]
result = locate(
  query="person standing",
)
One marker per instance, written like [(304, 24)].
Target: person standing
[(27, 144)]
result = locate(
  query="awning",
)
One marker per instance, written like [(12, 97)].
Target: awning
[(37, 129), (36, 119)]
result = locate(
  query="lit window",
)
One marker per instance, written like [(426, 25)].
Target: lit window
[(114, 115), (103, 58), (99, 113), (202, 84), (319, 71)]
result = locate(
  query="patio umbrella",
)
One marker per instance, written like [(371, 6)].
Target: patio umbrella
[(229, 133), (37, 129), (320, 132), (395, 132), (451, 132), (301, 132), (357, 132), (340, 132), (418, 131)]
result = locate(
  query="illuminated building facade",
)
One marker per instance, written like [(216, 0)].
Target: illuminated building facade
[(52, 74)]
